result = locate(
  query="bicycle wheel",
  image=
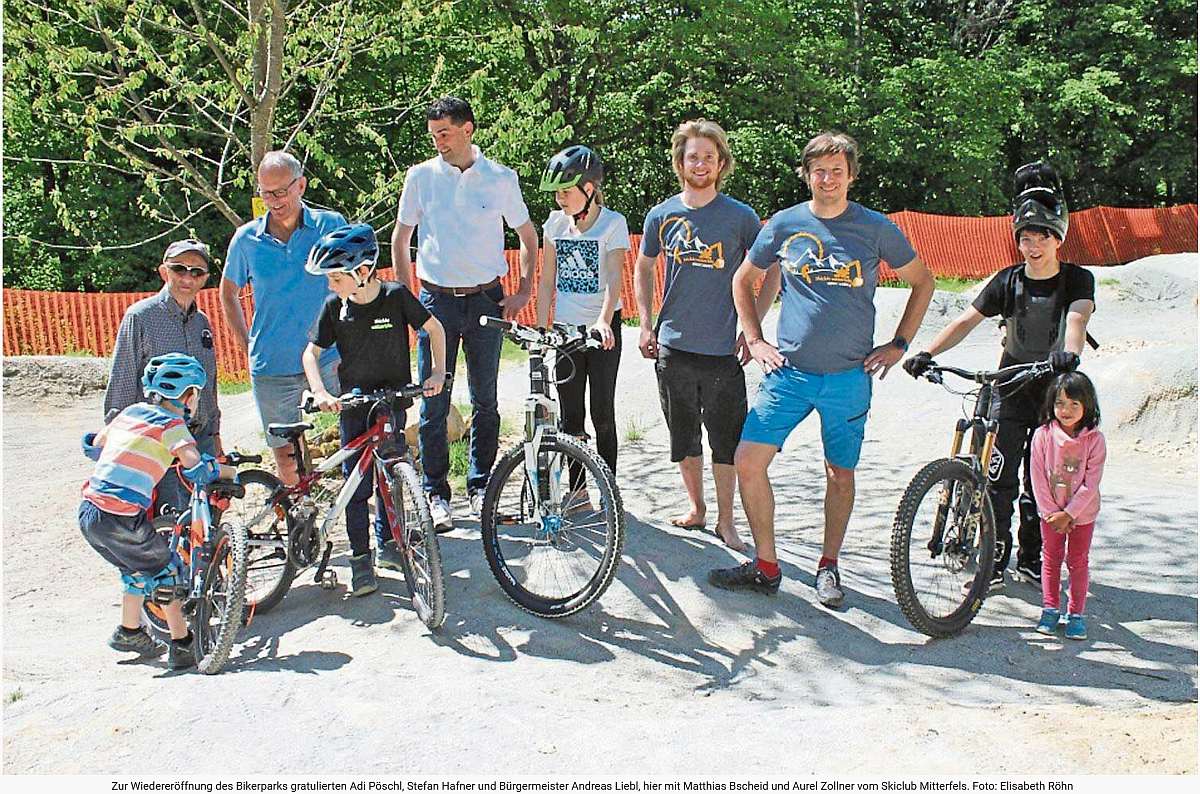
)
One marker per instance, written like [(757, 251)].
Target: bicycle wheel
[(269, 569), (421, 557), (218, 613), (152, 613), (555, 561), (943, 541)]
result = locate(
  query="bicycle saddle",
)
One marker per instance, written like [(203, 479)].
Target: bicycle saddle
[(294, 430)]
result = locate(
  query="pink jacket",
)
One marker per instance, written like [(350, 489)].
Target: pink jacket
[(1066, 471)]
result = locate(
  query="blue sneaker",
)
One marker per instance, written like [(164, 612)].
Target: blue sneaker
[(1049, 622), (1076, 627)]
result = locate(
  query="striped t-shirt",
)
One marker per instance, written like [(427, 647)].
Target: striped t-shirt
[(141, 444)]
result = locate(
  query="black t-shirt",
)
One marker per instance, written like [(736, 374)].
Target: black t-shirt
[(998, 299), (994, 300), (373, 339)]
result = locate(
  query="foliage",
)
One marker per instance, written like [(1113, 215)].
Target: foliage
[(128, 123)]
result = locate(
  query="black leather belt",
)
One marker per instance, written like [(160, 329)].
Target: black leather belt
[(460, 292)]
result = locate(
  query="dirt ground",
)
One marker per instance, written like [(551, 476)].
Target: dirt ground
[(665, 674)]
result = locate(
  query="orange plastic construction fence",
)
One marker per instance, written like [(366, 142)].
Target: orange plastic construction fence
[(54, 323)]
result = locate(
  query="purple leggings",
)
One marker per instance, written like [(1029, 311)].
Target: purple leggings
[(1074, 546)]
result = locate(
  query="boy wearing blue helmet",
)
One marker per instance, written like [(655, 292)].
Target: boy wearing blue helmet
[(132, 454), (368, 320)]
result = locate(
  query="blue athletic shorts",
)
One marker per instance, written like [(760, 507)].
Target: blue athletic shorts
[(787, 396)]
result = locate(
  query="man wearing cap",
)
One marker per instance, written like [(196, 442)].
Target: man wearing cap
[(269, 253), (170, 322), (461, 200)]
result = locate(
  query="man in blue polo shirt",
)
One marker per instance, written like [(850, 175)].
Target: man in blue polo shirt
[(269, 254)]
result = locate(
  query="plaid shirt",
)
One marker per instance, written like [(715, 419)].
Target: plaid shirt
[(152, 327)]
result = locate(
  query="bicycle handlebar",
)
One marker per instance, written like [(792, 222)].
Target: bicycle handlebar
[(238, 459), (356, 398), (1006, 375), (558, 336)]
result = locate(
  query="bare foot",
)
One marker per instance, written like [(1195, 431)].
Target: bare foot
[(729, 536), (689, 520)]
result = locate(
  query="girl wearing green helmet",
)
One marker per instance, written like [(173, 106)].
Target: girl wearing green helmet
[(585, 247)]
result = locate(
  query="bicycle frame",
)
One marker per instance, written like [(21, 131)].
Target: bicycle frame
[(541, 419), (368, 444)]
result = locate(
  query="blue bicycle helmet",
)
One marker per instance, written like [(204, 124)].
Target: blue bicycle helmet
[(344, 250), (171, 375)]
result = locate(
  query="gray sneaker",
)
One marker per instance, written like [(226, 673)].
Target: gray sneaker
[(439, 511), (388, 556), (362, 575), (476, 500), (136, 641), (829, 586)]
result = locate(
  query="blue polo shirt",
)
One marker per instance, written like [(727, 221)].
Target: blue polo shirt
[(287, 300)]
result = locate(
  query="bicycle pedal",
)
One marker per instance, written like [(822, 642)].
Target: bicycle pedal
[(328, 580)]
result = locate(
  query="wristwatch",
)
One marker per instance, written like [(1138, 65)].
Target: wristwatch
[(900, 342)]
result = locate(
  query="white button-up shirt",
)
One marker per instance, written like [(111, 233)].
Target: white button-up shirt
[(460, 217)]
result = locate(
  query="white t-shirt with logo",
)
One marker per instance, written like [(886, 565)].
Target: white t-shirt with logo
[(578, 255)]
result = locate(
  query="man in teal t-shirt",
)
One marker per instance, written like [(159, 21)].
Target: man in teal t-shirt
[(829, 250)]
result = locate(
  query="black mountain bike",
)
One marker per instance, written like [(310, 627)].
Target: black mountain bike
[(944, 534)]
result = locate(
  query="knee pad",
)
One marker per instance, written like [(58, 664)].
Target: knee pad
[(162, 587), (205, 471)]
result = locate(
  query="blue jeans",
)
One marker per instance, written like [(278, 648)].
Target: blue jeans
[(351, 424), (460, 319)]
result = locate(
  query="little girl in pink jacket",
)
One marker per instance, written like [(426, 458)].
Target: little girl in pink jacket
[(1066, 462)]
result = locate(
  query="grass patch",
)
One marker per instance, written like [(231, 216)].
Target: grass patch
[(460, 464), (227, 387), (634, 431), (945, 283), (322, 421), (1110, 282), (14, 696), (510, 353)]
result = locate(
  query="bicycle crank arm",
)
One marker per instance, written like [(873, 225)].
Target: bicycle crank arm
[(325, 577)]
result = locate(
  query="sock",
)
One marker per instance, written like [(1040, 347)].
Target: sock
[(126, 630), (827, 562), (769, 569), (182, 640)]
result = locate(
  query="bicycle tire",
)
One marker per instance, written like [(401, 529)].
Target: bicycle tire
[(506, 534), (421, 556), (222, 599), (946, 568), (270, 570)]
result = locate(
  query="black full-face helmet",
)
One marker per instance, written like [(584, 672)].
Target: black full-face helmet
[(1039, 202)]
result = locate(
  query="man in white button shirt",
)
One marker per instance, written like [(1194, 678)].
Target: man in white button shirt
[(459, 202)]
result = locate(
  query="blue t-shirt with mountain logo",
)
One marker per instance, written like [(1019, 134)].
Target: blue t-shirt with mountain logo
[(830, 268), (702, 247)]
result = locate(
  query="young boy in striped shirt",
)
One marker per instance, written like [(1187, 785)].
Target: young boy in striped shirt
[(132, 454)]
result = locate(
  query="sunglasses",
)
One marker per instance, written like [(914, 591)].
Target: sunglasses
[(280, 193), (194, 272)]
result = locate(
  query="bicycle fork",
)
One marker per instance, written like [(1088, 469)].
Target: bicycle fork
[(946, 499)]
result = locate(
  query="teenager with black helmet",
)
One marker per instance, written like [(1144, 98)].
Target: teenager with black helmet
[(1045, 305), (584, 252)]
